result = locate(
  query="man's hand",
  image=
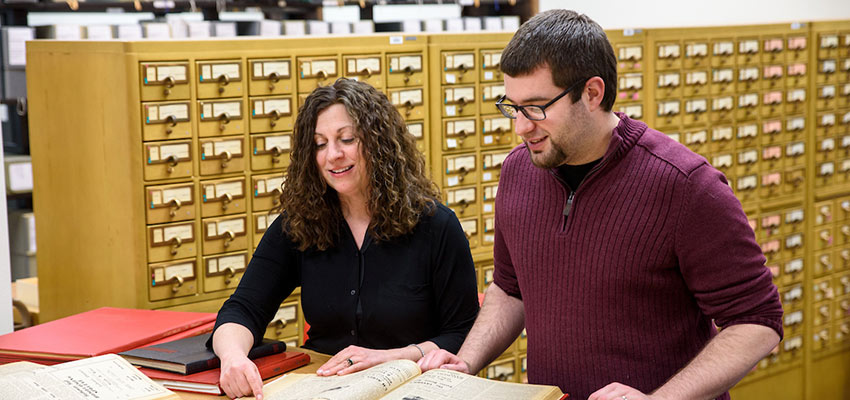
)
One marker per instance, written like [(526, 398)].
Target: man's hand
[(618, 391), (443, 359), (240, 377), (353, 359)]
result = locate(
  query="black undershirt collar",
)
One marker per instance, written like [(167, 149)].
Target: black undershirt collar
[(573, 175)]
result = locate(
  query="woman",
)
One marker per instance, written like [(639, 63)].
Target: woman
[(384, 268)]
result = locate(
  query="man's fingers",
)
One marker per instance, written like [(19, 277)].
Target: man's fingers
[(457, 365), (435, 359), (430, 363)]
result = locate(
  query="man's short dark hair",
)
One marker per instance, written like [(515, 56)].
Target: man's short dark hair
[(572, 45)]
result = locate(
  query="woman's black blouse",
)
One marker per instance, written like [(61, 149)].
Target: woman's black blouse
[(385, 295)]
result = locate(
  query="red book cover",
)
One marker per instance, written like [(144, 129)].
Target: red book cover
[(207, 381), (7, 360), (100, 331)]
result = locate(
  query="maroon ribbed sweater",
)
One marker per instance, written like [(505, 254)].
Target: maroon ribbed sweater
[(624, 290)]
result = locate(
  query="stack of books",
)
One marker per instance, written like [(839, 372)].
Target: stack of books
[(170, 345), (188, 365)]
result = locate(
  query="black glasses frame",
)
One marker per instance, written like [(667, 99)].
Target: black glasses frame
[(505, 108)]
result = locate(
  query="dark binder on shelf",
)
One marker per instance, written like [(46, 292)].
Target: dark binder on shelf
[(190, 355)]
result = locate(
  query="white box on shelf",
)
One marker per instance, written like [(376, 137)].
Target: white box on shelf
[(156, 30), (317, 27), (364, 26), (270, 28), (98, 32), (493, 24), (224, 28), (18, 174), (26, 290), (434, 25), (127, 31), (472, 24), (454, 25), (411, 26), (179, 28), (295, 28), (510, 23), (340, 27), (199, 29), (14, 45)]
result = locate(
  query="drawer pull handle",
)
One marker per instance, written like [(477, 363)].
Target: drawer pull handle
[(169, 83), (172, 122), (177, 242), (227, 157), (273, 78), (178, 282), (223, 81), (227, 198), (275, 116), (229, 273), (177, 203), (172, 162), (225, 119), (229, 236)]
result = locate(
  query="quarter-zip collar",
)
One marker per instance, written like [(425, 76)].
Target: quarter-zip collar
[(624, 136)]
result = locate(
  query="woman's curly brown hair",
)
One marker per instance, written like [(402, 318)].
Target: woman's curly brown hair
[(399, 193)]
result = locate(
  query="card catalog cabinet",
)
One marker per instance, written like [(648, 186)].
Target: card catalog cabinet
[(172, 163)]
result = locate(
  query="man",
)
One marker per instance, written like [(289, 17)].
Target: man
[(616, 247)]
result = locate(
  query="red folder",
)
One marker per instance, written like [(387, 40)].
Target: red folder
[(92, 333), (207, 381)]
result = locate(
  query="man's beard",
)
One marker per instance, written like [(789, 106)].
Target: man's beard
[(552, 158)]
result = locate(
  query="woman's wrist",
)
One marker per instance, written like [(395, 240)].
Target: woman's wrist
[(414, 352), (419, 353)]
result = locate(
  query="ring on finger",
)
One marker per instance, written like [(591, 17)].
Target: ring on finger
[(624, 397), (349, 362)]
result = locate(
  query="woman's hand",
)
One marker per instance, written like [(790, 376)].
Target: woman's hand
[(240, 377), (356, 358)]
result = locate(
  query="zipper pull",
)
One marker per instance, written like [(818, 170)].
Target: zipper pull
[(569, 205)]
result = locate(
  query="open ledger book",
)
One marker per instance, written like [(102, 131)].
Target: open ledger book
[(103, 377), (402, 380)]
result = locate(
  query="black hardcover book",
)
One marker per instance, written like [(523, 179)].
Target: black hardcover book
[(190, 355)]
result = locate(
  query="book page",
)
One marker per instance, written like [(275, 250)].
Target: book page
[(103, 377), (443, 384), (19, 366), (27, 385), (364, 385)]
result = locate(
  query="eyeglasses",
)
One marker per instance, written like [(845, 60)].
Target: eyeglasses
[(534, 112)]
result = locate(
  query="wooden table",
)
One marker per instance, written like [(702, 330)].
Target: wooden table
[(316, 360)]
